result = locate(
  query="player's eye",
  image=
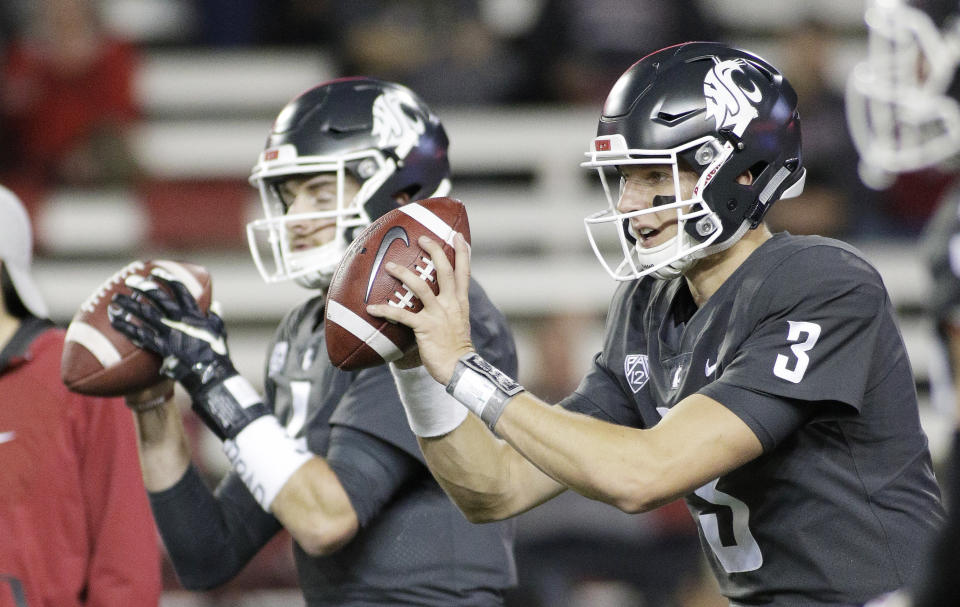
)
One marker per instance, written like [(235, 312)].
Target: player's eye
[(323, 203), (658, 177)]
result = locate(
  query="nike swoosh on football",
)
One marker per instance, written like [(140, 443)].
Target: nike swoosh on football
[(708, 369), (6, 437), (394, 233)]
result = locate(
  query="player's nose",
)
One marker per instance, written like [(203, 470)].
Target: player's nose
[(634, 197), (297, 222)]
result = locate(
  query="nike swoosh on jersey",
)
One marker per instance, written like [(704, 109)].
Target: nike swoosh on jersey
[(708, 369), (394, 233), (6, 437)]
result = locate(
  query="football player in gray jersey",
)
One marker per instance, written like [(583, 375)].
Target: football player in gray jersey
[(325, 453), (760, 376), (903, 106)]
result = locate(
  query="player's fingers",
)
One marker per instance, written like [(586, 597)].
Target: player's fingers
[(121, 322), (216, 323), (120, 304), (395, 314), (148, 338), (185, 301), (137, 306), (141, 336), (462, 270), (445, 276), (150, 291), (412, 281), (149, 287)]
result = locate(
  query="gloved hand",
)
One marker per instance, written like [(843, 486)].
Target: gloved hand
[(193, 345)]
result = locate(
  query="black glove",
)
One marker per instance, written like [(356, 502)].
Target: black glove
[(193, 345)]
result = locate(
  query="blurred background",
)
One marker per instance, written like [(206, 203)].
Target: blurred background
[(130, 126)]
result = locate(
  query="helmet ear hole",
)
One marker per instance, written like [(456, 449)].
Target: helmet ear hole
[(756, 170), (410, 192)]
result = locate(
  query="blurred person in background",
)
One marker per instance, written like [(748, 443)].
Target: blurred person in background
[(578, 48), (66, 102), (74, 519), (776, 398), (912, 168), (446, 50), (834, 202), (905, 117), (326, 453)]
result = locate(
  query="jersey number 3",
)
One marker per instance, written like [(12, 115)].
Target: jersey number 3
[(805, 334)]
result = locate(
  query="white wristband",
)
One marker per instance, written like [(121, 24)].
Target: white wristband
[(265, 458), (482, 388), (430, 410)]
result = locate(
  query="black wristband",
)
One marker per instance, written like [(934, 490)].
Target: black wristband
[(201, 377), (227, 407)]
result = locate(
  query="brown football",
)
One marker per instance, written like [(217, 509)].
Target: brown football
[(357, 340), (98, 360)]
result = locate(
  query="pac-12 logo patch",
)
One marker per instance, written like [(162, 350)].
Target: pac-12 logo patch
[(637, 370)]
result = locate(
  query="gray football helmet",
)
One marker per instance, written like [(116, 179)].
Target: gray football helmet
[(378, 132), (717, 110)]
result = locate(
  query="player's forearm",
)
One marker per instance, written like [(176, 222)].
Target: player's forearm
[(485, 477), (601, 461), (210, 537), (635, 470), (162, 444), (315, 509)]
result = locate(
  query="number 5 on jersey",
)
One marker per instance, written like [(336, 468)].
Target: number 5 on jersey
[(805, 336)]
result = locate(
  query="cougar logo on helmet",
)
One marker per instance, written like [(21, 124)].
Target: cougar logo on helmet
[(727, 102), (393, 126)]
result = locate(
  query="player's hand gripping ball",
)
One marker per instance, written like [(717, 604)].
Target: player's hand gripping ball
[(100, 361), (357, 340)]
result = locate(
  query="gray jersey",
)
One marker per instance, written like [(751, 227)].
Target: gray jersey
[(413, 546), (801, 343), (418, 548)]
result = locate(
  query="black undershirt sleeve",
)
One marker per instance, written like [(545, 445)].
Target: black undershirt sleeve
[(210, 536), (369, 469)]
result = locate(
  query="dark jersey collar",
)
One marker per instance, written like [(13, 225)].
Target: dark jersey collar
[(17, 349)]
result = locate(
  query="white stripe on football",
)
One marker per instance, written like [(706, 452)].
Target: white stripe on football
[(99, 361)]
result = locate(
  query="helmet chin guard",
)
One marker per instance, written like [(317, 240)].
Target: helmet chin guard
[(708, 108)]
